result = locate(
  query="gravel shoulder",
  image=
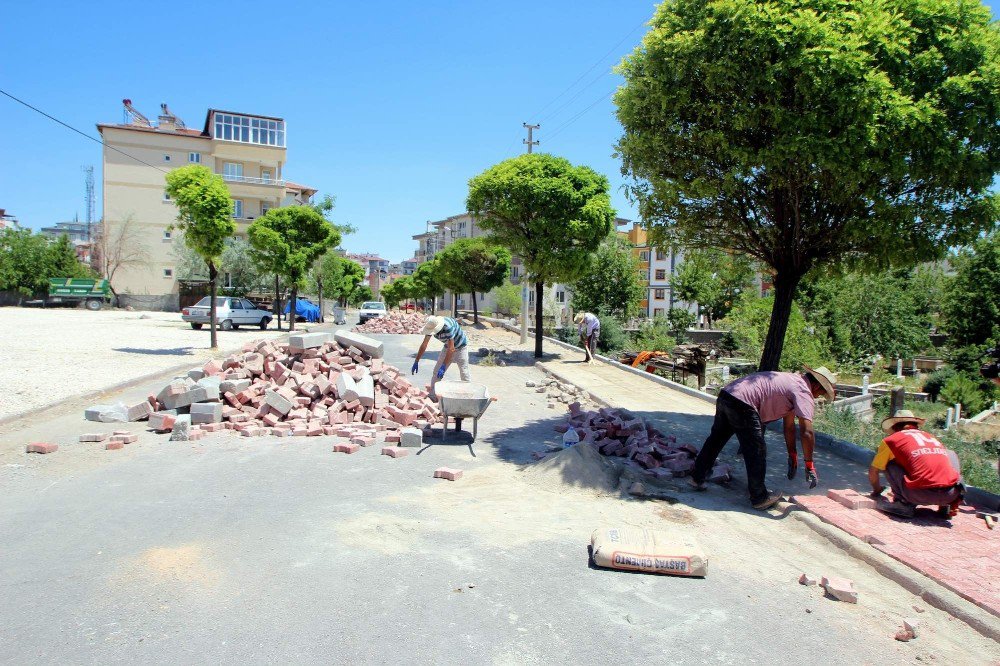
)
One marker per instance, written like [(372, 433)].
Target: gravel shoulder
[(55, 354)]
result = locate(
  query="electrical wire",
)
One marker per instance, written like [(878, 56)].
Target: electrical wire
[(83, 134), (591, 68), (579, 115)]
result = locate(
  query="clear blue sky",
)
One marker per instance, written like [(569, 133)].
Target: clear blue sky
[(390, 106)]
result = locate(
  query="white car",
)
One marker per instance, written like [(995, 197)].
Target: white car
[(230, 313), (371, 310)]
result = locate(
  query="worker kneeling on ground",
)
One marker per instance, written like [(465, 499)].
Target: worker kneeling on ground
[(919, 468), (589, 328), (456, 348), (745, 406)]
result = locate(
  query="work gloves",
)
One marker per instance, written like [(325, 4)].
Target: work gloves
[(413, 370), (811, 476), (440, 373)]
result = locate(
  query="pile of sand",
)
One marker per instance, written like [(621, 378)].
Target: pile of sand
[(580, 466)]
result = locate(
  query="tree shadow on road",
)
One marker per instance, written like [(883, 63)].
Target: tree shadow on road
[(174, 351)]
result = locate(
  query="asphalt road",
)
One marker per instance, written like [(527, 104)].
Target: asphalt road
[(232, 550)]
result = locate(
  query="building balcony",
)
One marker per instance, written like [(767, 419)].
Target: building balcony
[(251, 180)]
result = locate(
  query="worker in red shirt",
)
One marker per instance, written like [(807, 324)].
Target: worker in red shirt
[(919, 468)]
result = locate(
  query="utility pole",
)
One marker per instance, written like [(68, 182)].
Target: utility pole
[(524, 278), (528, 141)]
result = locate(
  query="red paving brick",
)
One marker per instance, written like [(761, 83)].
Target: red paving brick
[(961, 554)]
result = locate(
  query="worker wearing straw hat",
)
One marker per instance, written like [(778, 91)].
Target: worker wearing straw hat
[(456, 348), (919, 468), (744, 407)]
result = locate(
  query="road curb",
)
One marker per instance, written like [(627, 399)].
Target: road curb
[(593, 397), (918, 584)]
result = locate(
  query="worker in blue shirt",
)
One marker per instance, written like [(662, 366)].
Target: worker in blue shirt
[(456, 348)]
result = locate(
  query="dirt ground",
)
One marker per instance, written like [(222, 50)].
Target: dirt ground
[(53, 354)]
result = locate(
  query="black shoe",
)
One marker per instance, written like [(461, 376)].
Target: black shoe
[(896, 508), (769, 501)]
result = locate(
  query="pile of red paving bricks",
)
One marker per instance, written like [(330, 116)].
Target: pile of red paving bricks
[(619, 433), (315, 384), (396, 323), (961, 553)]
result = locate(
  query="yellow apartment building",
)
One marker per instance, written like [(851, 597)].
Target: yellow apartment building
[(247, 150)]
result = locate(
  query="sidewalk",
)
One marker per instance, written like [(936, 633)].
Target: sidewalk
[(963, 555)]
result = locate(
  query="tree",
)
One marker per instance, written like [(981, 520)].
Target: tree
[(25, 261), (714, 280), (118, 246), (508, 299), (748, 325), (972, 305), (813, 132), (325, 208), (205, 216), (361, 293), (473, 265), (611, 282), (549, 213), (289, 240), (427, 282), (63, 260), (398, 290), (245, 275)]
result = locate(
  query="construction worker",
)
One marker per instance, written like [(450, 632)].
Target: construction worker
[(919, 468), (745, 406), (456, 348), (589, 328)]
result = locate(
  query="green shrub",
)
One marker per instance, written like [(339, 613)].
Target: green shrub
[(965, 391), (936, 381), (654, 336), (613, 338)]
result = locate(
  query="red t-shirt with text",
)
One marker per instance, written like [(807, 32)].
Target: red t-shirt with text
[(924, 458)]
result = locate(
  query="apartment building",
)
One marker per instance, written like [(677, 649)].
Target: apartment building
[(657, 266), (247, 150)]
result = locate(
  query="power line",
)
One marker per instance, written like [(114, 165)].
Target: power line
[(581, 113), (572, 99), (591, 68), (83, 134)]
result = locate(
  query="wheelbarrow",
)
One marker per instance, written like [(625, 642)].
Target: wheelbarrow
[(462, 400)]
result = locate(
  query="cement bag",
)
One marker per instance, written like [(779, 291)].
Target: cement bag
[(634, 549)]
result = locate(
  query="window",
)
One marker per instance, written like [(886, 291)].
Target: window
[(657, 312), (166, 158), (166, 197), (531, 297), (515, 271), (227, 280), (237, 208), (661, 274), (560, 297), (168, 272), (194, 157), (264, 207), (644, 255), (166, 234), (232, 170), (659, 294), (661, 255), (265, 175), (461, 226), (247, 305), (262, 131)]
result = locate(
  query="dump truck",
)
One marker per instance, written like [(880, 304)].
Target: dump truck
[(94, 293)]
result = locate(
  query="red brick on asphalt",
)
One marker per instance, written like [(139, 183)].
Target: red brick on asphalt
[(41, 447)]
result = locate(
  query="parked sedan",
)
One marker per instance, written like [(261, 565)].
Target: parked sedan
[(230, 313), (371, 310)]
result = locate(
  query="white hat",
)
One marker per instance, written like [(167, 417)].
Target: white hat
[(432, 325), (902, 416), (826, 379)]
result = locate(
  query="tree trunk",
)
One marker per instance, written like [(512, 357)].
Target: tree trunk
[(277, 300), (539, 289), (475, 310), (784, 292), (291, 306), (212, 273), (319, 286)]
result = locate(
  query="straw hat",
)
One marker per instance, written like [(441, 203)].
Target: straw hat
[(578, 319), (902, 416), (432, 325), (826, 379)]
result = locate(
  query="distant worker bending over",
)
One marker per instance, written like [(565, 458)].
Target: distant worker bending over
[(456, 348), (589, 328), (748, 404), (919, 468)]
